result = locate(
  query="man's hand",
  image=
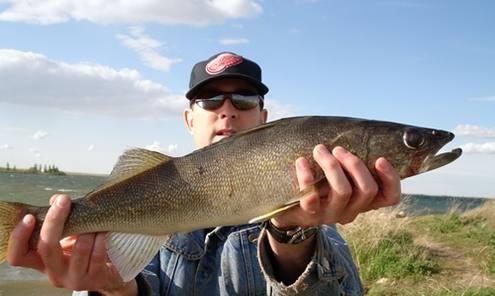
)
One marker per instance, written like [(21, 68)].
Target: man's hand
[(76, 263), (352, 189)]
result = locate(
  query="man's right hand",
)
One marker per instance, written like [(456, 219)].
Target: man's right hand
[(75, 263)]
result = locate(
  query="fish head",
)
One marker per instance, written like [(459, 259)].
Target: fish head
[(411, 150)]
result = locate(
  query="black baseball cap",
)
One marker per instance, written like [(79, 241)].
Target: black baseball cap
[(225, 65)]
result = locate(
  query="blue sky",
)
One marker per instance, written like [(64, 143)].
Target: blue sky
[(81, 82)]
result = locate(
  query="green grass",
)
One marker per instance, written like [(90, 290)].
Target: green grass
[(468, 292), (395, 255), (472, 233), (405, 290), (439, 255)]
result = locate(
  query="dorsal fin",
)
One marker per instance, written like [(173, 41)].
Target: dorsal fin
[(131, 163)]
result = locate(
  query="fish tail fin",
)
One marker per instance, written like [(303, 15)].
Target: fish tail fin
[(10, 214)]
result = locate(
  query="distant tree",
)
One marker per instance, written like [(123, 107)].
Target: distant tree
[(45, 170), (8, 166), (15, 169)]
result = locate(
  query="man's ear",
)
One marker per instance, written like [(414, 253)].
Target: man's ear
[(188, 118), (264, 115)]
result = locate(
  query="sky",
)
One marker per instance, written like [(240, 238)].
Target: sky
[(82, 81)]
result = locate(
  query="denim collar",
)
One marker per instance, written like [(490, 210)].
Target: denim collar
[(191, 245)]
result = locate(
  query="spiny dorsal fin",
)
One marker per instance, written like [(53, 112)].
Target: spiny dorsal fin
[(131, 163)]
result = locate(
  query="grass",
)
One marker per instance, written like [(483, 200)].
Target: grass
[(440, 255), (396, 255), (469, 292)]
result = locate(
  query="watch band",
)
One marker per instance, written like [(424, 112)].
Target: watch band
[(290, 236)]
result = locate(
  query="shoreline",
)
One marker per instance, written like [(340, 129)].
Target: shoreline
[(25, 172)]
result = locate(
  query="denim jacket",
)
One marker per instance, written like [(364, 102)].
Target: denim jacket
[(234, 261)]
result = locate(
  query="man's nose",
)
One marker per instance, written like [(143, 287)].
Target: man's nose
[(227, 110)]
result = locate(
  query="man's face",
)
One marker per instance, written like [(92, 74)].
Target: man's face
[(208, 127)]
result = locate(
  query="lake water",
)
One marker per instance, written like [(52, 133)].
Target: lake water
[(37, 189)]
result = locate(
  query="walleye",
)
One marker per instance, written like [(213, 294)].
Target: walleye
[(248, 177)]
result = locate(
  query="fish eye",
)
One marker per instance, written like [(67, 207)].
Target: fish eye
[(413, 139)]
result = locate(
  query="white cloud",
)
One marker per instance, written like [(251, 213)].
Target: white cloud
[(156, 146), (234, 41), (276, 110), (489, 99), (172, 148), (147, 49), (474, 130), (33, 79), (485, 148), (91, 147), (189, 12), (5, 147), (38, 135), (36, 152)]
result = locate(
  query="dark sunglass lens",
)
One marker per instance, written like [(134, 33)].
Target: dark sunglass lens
[(245, 102), (209, 104)]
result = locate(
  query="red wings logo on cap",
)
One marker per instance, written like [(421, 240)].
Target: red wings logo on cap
[(222, 62)]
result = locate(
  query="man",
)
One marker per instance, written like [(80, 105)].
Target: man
[(288, 255)]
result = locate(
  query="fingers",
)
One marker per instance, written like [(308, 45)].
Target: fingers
[(351, 189), (340, 188), (53, 198), (99, 254), (51, 233), (309, 203), (79, 261), (67, 244), (18, 252), (365, 187), (390, 185)]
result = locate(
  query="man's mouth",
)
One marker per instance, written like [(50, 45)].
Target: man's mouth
[(227, 132)]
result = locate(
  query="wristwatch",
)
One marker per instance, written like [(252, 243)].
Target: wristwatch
[(290, 236)]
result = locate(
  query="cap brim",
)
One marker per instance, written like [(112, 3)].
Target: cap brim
[(263, 89)]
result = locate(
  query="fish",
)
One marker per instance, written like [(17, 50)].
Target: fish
[(248, 177)]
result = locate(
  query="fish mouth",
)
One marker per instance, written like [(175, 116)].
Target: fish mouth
[(435, 161)]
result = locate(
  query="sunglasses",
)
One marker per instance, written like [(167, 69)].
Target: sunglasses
[(240, 101)]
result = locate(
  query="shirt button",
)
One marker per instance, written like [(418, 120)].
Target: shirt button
[(253, 237)]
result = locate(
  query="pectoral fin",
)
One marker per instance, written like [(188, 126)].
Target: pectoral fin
[(130, 253), (312, 188), (274, 213)]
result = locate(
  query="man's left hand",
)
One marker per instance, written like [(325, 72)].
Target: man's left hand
[(351, 189)]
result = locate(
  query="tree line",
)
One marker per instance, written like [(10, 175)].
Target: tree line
[(35, 169)]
